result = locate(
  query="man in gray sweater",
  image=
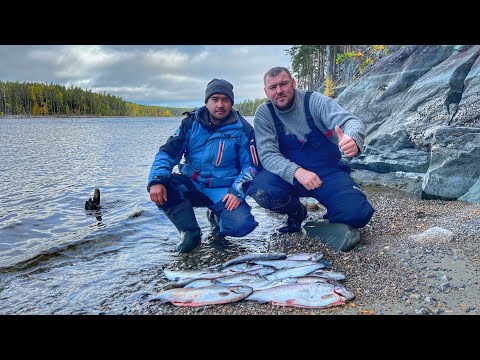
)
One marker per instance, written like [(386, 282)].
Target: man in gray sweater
[(299, 135)]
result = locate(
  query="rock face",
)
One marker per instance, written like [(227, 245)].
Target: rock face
[(473, 195), (421, 108), (454, 163)]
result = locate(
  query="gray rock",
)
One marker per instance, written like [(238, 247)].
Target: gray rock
[(404, 99), (405, 181), (472, 195), (435, 234), (452, 172)]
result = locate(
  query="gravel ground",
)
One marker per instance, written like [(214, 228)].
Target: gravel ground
[(391, 271)]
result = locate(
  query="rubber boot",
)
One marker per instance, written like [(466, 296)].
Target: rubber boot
[(294, 220), (214, 226), (183, 217)]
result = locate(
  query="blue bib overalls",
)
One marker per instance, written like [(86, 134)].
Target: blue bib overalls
[(339, 194)]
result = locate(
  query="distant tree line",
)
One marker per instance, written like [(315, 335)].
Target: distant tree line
[(248, 107), (39, 99)]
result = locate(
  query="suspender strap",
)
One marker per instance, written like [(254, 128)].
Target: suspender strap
[(308, 114), (278, 124)]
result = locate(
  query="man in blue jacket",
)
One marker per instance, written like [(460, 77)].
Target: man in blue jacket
[(220, 160)]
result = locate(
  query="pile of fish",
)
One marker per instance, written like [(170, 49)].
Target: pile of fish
[(299, 280)]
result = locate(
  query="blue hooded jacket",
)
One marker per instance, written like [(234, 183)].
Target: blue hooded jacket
[(221, 156)]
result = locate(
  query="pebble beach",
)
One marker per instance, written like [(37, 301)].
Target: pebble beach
[(416, 257)]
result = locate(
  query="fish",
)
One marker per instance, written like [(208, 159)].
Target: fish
[(305, 256), (317, 295), (241, 267), (201, 283), (328, 274), (294, 272), (264, 270), (189, 282), (241, 279), (280, 264), (258, 282), (181, 275), (253, 257), (298, 280), (202, 296), (181, 278), (311, 279)]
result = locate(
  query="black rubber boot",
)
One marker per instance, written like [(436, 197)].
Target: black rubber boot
[(183, 217), (295, 219), (214, 226)]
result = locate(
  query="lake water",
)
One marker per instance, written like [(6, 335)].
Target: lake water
[(58, 258)]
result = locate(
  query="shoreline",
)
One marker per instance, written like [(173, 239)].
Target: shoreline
[(74, 116), (392, 271)]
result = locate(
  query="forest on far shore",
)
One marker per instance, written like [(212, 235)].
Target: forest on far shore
[(39, 99)]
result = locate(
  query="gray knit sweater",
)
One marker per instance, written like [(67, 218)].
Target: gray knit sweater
[(325, 111)]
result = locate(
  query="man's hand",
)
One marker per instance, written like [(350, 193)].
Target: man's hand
[(158, 194), (346, 143), (308, 179), (232, 202)]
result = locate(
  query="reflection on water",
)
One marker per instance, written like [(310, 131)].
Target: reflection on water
[(58, 258)]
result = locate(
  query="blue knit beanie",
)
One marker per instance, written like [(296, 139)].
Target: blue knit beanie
[(219, 86)]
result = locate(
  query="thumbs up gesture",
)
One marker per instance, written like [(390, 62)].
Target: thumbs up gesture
[(346, 143)]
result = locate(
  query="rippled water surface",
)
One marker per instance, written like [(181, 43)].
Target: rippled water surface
[(56, 257)]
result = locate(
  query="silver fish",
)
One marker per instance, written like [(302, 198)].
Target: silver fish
[(328, 274), (254, 281), (311, 279), (202, 296), (264, 270), (305, 256), (239, 268), (281, 264), (254, 257), (239, 279), (200, 283), (188, 283), (180, 275), (316, 295), (294, 272)]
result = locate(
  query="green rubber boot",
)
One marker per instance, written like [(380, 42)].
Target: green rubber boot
[(183, 217)]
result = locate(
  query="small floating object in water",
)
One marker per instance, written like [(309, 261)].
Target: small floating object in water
[(93, 204)]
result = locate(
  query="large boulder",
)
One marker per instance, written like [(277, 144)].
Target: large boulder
[(452, 172), (404, 99), (472, 195)]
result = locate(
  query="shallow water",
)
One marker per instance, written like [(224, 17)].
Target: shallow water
[(56, 257)]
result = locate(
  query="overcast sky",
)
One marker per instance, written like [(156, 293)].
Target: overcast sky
[(145, 74)]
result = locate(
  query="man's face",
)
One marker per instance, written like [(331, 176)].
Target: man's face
[(219, 106), (280, 90)]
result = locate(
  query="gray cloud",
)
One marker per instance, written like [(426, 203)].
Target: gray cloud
[(150, 75)]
